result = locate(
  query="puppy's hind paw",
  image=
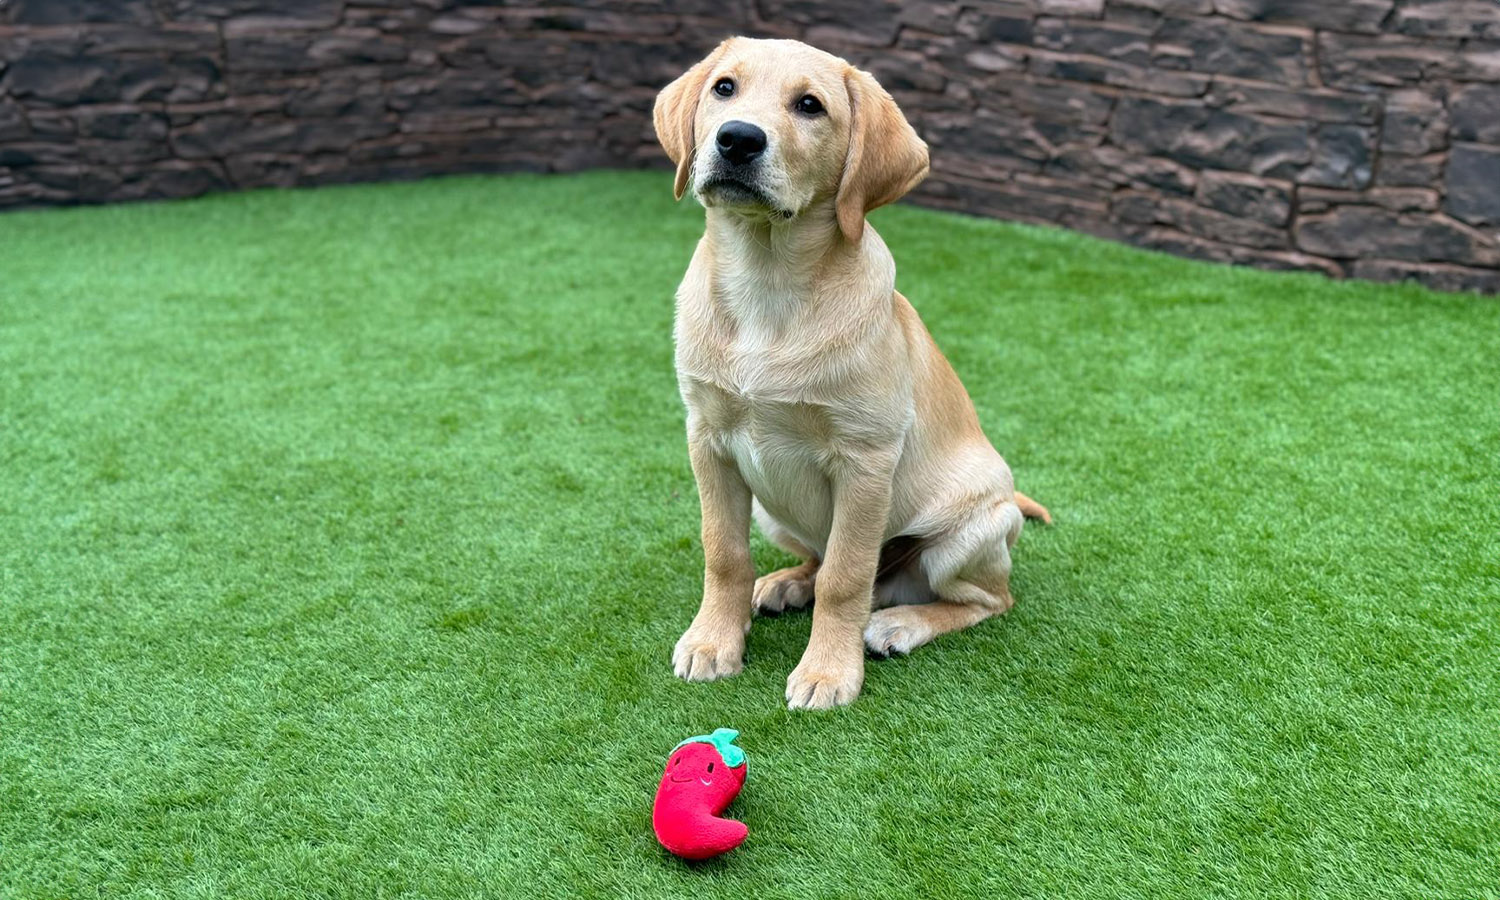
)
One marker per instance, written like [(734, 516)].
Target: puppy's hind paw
[(782, 590), (897, 630)]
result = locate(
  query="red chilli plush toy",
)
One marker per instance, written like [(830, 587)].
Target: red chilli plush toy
[(704, 774)]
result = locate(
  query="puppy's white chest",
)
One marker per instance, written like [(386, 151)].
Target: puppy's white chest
[(782, 450)]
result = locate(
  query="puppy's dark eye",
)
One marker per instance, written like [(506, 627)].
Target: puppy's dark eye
[(710, 768), (724, 87), (809, 105)]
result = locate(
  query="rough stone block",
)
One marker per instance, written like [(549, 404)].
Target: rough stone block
[(314, 136), (116, 153), (624, 63), (304, 13), (454, 90), (1004, 25), (154, 181), (64, 80), (1073, 67), (1274, 54), (1475, 113), (1125, 43), (261, 170), (409, 19), (1357, 61), (76, 12), (871, 24), (1093, 8), (1116, 167), (174, 40), (1361, 108), (1481, 61), (1415, 122), (1420, 171), (1208, 138), (1169, 7), (1397, 199), (1355, 232), (1448, 18), (1134, 16), (903, 72), (196, 79), (1473, 184), (1061, 101), (445, 123), (269, 52), (13, 124), (1246, 196), (336, 97), (355, 47), (995, 59), (457, 24), (1220, 226), (1134, 207), (38, 185), (1057, 133), (120, 125), (1342, 156), (987, 137), (225, 134), (1337, 15), (20, 155), (932, 17), (1322, 105), (48, 124)]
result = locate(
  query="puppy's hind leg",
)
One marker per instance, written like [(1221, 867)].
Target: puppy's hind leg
[(969, 572), (789, 588)]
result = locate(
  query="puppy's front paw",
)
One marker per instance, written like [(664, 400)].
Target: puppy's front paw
[(705, 653), (897, 629), (824, 684)]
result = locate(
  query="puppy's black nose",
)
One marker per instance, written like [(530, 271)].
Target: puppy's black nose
[(740, 142)]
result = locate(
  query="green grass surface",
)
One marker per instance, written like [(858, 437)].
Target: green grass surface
[(345, 535)]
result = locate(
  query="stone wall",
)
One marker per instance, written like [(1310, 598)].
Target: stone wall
[(1353, 137)]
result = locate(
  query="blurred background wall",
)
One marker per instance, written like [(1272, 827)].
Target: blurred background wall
[(1353, 137)]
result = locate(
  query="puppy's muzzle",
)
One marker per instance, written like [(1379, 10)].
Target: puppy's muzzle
[(740, 143)]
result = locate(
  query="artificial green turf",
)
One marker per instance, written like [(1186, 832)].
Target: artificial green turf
[(345, 535)]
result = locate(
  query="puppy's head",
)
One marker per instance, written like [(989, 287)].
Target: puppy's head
[(766, 128)]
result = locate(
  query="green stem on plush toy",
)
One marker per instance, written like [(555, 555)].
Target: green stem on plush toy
[(723, 740)]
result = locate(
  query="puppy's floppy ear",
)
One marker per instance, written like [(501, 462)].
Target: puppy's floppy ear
[(886, 158), (675, 111)]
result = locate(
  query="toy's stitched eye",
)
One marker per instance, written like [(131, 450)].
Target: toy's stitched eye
[(809, 105), (710, 767), (724, 87)]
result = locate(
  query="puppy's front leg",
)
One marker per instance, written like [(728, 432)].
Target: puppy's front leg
[(714, 645), (832, 669)]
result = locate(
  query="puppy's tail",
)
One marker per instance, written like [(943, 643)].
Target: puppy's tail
[(1032, 509)]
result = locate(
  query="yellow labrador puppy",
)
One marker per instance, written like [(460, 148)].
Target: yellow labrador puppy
[(816, 400)]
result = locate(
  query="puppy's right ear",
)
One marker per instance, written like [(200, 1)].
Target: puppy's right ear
[(675, 111), (886, 158)]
